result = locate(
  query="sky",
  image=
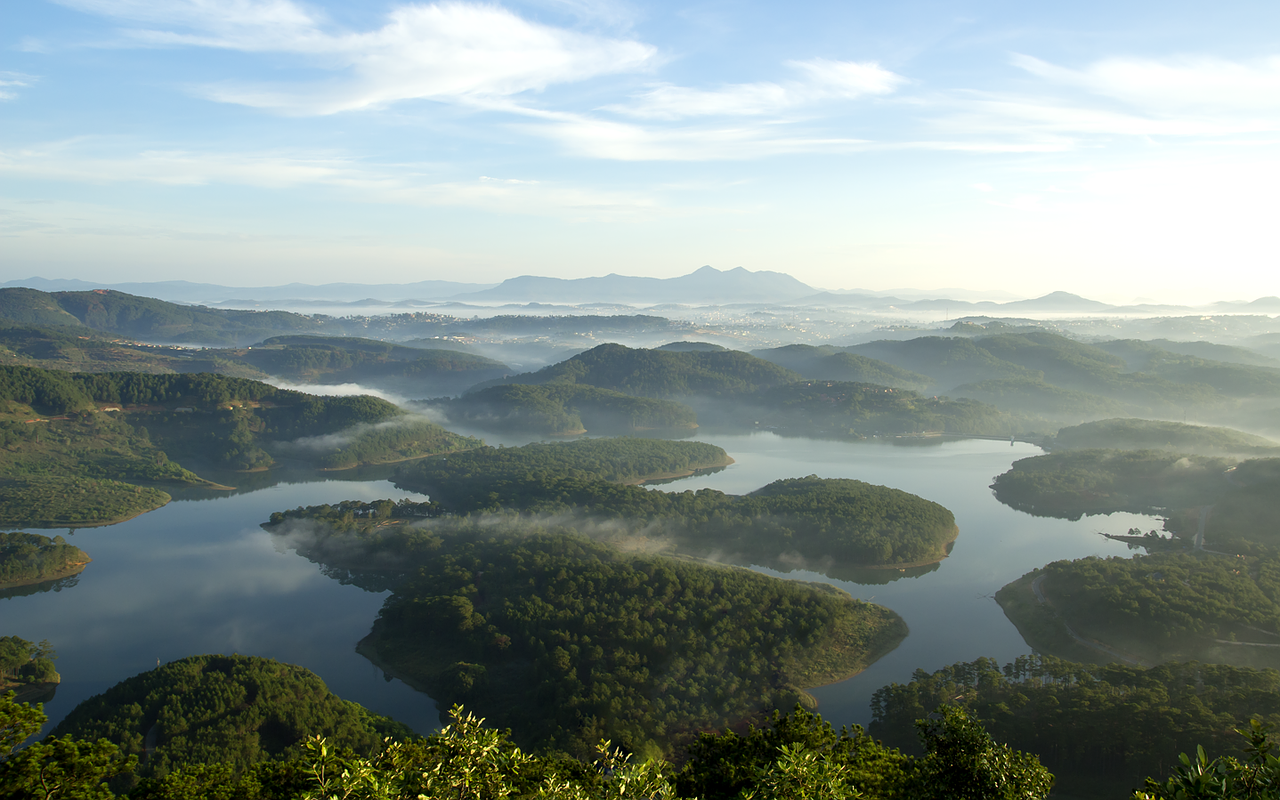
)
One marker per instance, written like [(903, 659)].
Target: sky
[(1119, 150)]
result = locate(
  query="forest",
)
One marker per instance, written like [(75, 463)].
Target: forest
[(819, 520), (1099, 728), (23, 663), (568, 641), (566, 408), (32, 558), (1072, 483), (1147, 434), (795, 755), (1166, 605)]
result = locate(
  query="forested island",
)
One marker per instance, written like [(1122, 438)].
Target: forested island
[(1163, 606), (1148, 434), (568, 641), (84, 449), (1072, 483), (790, 521), (27, 558)]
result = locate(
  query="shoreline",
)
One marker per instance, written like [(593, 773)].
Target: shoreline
[(661, 476), (76, 569)]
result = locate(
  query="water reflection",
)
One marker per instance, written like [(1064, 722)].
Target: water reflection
[(201, 576)]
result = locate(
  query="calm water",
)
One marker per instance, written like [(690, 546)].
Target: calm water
[(202, 577)]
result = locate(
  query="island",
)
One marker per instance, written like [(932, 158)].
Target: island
[(27, 670), (29, 558), (567, 641)]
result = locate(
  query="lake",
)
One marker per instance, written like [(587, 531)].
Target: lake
[(201, 576)]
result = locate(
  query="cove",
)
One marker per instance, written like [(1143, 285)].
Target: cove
[(201, 576)]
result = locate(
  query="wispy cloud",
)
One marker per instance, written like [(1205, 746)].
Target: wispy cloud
[(11, 81), (443, 51), (822, 80), (400, 184)]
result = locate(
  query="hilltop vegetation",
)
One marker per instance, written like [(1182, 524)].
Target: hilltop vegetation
[(1163, 606), (231, 710), (662, 374), (1146, 434), (1072, 483), (568, 641), (1098, 728), (32, 558), (858, 410), (106, 433), (559, 408), (797, 754), (829, 363), (23, 663)]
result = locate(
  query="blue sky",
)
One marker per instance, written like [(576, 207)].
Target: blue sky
[(1117, 150)]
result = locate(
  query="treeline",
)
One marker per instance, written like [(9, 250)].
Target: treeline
[(1076, 482), (235, 711), (30, 557), (1171, 605), (662, 374), (860, 410), (560, 408), (615, 460), (1099, 728), (796, 755), (831, 363), (568, 641), (817, 519), (23, 662), (1148, 434)]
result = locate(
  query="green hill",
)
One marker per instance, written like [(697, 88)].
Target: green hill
[(560, 408), (836, 364), (857, 410), (662, 374), (232, 710), (31, 558), (545, 632), (1146, 434)]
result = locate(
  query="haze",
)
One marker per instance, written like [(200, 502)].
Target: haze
[(1114, 151)]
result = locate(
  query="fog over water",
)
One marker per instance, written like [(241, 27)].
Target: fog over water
[(202, 576)]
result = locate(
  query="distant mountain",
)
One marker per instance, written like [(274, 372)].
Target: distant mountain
[(188, 292), (1058, 301), (707, 285)]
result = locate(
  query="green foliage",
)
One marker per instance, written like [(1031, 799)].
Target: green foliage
[(30, 557), (858, 410), (1145, 434), (1073, 483), (830, 363), (235, 710), (796, 748), (55, 501), (1171, 605), (1099, 728), (559, 408), (579, 641), (468, 478), (662, 374), (394, 441), (962, 762), (1256, 777)]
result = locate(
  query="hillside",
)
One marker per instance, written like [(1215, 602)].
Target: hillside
[(835, 364), (662, 374), (562, 408), (1145, 434), (232, 710), (83, 448)]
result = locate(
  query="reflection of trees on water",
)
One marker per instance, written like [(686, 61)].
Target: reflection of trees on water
[(55, 585)]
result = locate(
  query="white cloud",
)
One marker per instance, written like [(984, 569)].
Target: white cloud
[(444, 51), (822, 80), (13, 80), (399, 184)]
